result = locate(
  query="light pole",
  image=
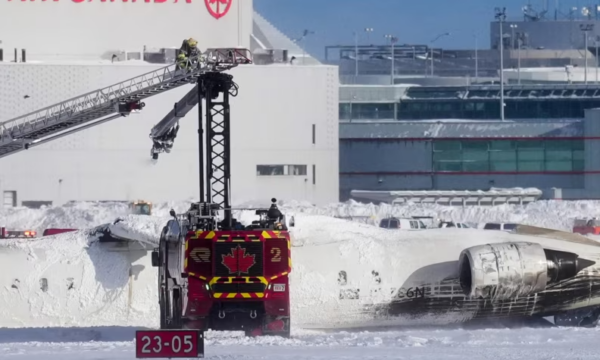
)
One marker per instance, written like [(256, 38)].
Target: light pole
[(596, 46), (512, 35), (355, 56), (586, 28), (393, 40), (500, 15), (367, 30), (519, 43), (512, 48), (476, 59), (431, 47)]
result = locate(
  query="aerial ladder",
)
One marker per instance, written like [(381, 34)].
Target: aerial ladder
[(213, 271), (112, 102)]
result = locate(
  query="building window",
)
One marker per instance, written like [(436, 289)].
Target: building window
[(9, 199), (281, 170), (489, 108), (366, 111), (36, 204), (314, 174), (314, 134), (508, 155)]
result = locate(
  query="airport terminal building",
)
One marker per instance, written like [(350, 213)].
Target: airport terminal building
[(281, 147), (406, 138)]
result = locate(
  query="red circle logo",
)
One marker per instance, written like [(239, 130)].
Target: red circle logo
[(218, 8)]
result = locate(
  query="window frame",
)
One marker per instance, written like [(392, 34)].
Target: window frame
[(520, 156), (286, 170)]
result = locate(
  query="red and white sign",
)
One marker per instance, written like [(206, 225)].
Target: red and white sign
[(119, 1), (218, 8), (169, 344)]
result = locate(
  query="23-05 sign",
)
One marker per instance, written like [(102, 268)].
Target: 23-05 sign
[(169, 344)]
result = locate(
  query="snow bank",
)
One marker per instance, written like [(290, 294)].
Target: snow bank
[(551, 214), (69, 280)]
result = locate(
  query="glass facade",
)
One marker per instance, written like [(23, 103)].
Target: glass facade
[(360, 111), (508, 155), (486, 109), (490, 109)]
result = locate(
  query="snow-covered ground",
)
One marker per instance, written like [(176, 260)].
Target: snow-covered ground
[(109, 304), (505, 344)]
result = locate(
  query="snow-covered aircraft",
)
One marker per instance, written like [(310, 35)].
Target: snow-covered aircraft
[(344, 275), (444, 276)]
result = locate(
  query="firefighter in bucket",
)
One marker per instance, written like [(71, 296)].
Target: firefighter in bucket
[(188, 51)]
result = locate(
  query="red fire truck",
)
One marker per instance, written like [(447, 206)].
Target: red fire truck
[(16, 234), (229, 278)]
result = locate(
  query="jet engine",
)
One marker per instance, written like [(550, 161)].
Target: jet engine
[(507, 270)]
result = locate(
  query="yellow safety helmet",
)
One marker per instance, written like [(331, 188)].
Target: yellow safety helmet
[(192, 42)]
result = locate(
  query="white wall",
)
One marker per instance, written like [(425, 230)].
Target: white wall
[(558, 74), (272, 121), (67, 29)]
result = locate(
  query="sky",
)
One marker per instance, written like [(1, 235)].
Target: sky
[(412, 21)]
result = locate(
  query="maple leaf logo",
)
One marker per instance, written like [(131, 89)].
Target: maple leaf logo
[(238, 261)]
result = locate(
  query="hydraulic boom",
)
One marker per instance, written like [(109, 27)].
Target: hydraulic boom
[(112, 102)]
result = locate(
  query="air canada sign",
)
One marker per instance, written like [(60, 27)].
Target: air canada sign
[(216, 8)]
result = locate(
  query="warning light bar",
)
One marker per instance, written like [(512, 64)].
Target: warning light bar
[(6, 234)]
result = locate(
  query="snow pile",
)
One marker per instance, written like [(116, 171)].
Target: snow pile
[(71, 280), (551, 214)]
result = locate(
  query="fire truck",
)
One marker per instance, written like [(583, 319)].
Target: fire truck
[(214, 272), (585, 226), (16, 234), (222, 275)]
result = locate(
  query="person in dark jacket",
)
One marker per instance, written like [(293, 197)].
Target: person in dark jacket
[(188, 49)]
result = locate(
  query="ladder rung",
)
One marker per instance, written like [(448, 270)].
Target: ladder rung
[(102, 102)]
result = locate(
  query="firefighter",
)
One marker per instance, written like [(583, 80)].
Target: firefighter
[(182, 61), (274, 213), (189, 47), (187, 51)]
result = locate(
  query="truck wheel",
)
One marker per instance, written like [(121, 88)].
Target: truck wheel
[(286, 333), (177, 321), (163, 310)]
